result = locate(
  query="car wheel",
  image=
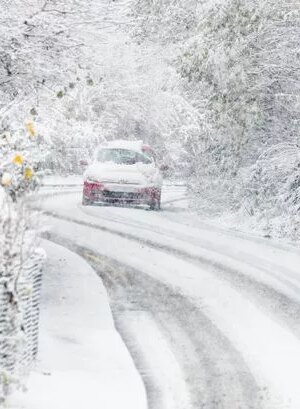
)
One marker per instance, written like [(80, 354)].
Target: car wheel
[(155, 205), (85, 201)]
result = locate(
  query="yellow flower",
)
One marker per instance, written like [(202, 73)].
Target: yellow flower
[(30, 128), (6, 179), (28, 173), (18, 159)]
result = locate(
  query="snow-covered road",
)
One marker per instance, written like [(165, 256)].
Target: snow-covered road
[(210, 316)]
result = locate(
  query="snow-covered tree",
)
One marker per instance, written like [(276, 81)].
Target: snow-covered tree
[(238, 69)]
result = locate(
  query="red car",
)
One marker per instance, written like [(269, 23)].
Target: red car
[(123, 172)]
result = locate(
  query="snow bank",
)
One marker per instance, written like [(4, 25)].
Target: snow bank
[(82, 361), (56, 180)]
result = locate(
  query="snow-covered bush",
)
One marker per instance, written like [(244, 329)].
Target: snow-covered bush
[(239, 69), (39, 58), (243, 72), (36, 47), (220, 78), (20, 157), (19, 161), (272, 190)]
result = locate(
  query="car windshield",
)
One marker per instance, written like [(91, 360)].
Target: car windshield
[(122, 157)]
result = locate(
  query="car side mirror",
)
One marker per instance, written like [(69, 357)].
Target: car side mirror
[(83, 162)]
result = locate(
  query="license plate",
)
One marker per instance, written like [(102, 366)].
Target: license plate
[(121, 188)]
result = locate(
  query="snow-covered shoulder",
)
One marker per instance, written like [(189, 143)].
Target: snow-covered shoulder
[(82, 360)]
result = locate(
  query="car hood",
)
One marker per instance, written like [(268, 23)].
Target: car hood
[(132, 174)]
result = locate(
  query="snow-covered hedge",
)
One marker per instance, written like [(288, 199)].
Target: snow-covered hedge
[(239, 68), (20, 263)]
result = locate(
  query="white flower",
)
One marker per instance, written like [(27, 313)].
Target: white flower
[(6, 179)]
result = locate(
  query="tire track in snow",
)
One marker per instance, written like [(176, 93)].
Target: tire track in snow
[(214, 372), (276, 303)]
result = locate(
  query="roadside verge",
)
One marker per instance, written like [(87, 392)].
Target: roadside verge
[(82, 360)]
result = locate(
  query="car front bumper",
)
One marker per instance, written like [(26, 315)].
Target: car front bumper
[(116, 193)]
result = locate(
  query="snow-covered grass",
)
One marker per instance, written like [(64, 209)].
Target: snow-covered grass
[(82, 361)]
